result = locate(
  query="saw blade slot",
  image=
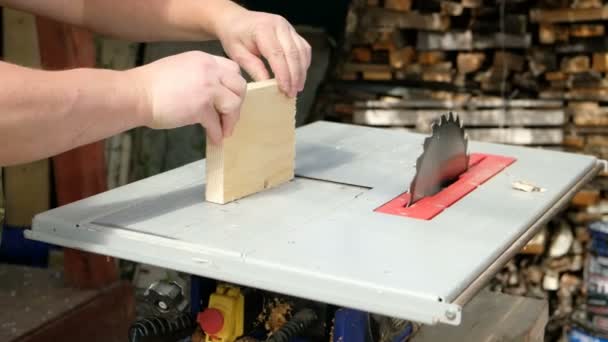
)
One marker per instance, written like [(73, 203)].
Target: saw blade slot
[(482, 167)]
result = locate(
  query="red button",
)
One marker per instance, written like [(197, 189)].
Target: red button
[(211, 321)]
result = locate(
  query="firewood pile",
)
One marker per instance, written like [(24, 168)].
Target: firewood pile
[(522, 72), (519, 72)]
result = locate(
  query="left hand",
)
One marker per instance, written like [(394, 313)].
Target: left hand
[(248, 35)]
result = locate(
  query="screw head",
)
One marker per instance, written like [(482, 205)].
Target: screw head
[(163, 305), (450, 315)]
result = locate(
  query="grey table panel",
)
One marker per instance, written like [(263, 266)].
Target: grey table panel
[(318, 237)]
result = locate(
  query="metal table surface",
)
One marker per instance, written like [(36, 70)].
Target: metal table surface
[(318, 236)]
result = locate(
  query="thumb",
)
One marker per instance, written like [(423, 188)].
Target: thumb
[(252, 64)]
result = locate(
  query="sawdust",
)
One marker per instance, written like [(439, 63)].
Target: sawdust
[(275, 314)]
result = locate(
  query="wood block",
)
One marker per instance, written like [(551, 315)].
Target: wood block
[(549, 33), (400, 5), (451, 8), (450, 41), (556, 76), (430, 57), (587, 30), (574, 141), (598, 140), (587, 4), (493, 316), (401, 58), (536, 246), (471, 3), (377, 75), (391, 19), (498, 40), (437, 76), (470, 61), (361, 55), (518, 136), (588, 94), (600, 61), (575, 64), (585, 198), (568, 15), (261, 152), (471, 118), (509, 61)]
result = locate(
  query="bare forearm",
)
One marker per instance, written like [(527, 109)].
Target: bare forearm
[(43, 113), (136, 20)]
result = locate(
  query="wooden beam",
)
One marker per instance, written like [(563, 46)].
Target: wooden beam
[(261, 152), (399, 5), (568, 15), (600, 61), (81, 172), (575, 64), (470, 61), (386, 18), (461, 103), (518, 136), (466, 40), (470, 118)]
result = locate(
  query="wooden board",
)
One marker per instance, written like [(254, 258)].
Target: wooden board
[(261, 152), (492, 316), (26, 186)]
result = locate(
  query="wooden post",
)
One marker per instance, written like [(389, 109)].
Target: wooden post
[(78, 173)]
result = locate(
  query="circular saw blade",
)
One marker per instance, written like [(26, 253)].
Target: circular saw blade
[(443, 159)]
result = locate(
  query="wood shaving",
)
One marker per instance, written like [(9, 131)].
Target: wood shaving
[(275, 315), (527, 187)]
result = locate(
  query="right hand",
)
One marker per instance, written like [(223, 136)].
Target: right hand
[(189, 88)]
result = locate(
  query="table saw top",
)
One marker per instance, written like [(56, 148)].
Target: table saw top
[(318, 236)]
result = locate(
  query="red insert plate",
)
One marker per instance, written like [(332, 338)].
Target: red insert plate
[(481, 168)]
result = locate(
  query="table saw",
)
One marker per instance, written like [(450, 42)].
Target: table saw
[(341, 231)]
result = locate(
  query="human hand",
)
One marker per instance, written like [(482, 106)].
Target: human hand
[(189, 88), (248, 35)]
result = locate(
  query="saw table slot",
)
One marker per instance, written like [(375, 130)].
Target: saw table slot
[(482, 167)]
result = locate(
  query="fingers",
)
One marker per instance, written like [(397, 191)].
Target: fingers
[(228, 106), (235, 82), (228, 64), (271, 48), (292, 57), (213, 126), (305, 57), (251, 63)]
